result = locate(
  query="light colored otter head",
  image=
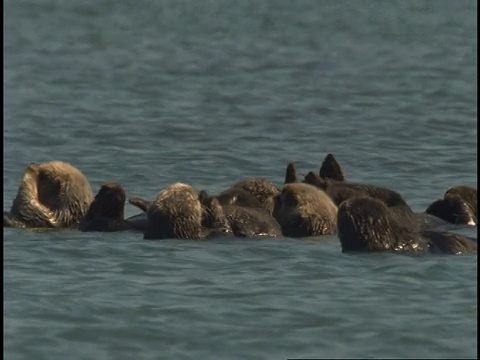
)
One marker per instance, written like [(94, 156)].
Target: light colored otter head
[(52, 194), (175, 213), (304, 210), (260, 189)]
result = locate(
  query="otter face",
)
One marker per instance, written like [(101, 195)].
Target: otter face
[(467, 194), (454, 210)]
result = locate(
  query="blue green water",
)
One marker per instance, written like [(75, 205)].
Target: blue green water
[(148, 93)]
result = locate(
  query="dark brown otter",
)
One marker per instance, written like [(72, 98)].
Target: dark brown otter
[(341, 191), (303, 210), (367, 224), (459, 206), (51, 195), (466, 193), (106, 212), (332, 180), (245, 221)]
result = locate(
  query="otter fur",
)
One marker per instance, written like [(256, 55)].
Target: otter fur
[(175, 213), (458, 206), (106, 212), (244, 221), (303, 210), (367, 224), (51, 195)]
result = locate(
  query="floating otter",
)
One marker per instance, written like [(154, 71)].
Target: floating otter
[(467, 193), (453, 209), (303, 210), (341, 191), (175, 213), (214, 220), (458, 206), (237, 196), (367, 224), (260, 189), (106, 212), (245, 221), (51, 195)]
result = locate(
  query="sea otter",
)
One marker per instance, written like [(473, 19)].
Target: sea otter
[(303, 210), (458, 206), (341, 191), (367, 224), (51, 195), (106, 212), (260, 189), (175, 213), (245, 221)]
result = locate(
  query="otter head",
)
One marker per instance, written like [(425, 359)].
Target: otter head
[(238, 196), (108, 203), (366, 224), (260, 189), (466, 193), (214, 219), (175, 213), (53, 194), (303, 210), (454, 209)]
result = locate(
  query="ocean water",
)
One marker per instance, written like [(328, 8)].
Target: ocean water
[(147, 93)]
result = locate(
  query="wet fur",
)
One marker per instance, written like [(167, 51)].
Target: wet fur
[(303, 210), (262, 190), (459, 206), (367, 224), (175, 213), (51, 195), (106, 212), (467, 194), (244, 221)]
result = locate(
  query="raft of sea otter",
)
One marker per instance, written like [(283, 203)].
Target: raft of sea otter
[(364, 217)]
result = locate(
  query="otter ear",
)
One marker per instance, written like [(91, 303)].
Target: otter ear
[(331, 169), (291, 174), (140, 203), (315, 180)]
